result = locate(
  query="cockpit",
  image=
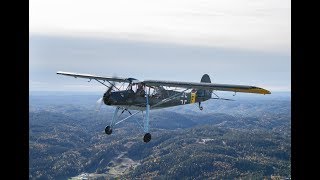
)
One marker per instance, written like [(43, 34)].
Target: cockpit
[(138, 88)]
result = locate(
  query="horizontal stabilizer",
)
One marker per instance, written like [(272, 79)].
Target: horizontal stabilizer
[(224, 99)]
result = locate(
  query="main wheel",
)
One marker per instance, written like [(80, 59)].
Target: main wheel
[(108, 130), (147, 137), (201, 108)]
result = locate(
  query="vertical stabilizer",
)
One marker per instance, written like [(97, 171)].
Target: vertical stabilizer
[(205, 93), (205, 78)]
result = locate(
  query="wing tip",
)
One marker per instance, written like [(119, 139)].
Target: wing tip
[(61, 72), (64, 73), (259, 90), (264, 91)]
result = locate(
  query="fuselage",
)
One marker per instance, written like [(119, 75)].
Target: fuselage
[(137, 100)]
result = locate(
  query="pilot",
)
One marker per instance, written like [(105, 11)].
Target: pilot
[(140, 90)]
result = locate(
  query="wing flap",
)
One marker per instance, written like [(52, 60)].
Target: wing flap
[(208, 86)]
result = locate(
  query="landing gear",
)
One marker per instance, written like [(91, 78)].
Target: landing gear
[(147, 137), (114, 121), (146, 120), (108, 130), (200, 107)]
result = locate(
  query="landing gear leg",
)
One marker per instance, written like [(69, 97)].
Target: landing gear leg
[(147, 136), (200, 107), (108, 129)]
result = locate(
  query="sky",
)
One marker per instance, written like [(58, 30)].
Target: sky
[(234, 41)]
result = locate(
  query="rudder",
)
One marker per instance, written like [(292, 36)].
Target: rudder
[(205, 93)]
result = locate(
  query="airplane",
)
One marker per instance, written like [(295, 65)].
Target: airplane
[(156, 94)]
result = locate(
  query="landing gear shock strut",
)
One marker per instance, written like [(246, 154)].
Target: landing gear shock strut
[(108, 129), (147, 136)]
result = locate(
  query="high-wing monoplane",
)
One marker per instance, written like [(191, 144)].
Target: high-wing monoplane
[(155, 94)]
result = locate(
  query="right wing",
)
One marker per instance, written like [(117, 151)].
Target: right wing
[(103, 78), (208, 86)]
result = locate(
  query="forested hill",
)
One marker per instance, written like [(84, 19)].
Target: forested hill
[(246, 138)]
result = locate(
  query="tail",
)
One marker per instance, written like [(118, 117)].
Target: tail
[(205, 93), (205, 78)]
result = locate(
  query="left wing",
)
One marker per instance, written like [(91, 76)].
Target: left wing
[(208, 86), (188, 85), (103, 78)]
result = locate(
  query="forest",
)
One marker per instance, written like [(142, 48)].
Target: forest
[(247, 138)]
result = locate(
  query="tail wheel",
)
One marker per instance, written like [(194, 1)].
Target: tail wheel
[(108, 130), (147, 137), (200, 107)]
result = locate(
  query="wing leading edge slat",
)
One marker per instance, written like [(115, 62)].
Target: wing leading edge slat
[(208, 86)]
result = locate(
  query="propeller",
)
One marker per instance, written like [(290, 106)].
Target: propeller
[(99, 104), (106, 95)]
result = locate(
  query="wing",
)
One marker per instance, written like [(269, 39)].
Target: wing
[(208, 86), (103, 78)]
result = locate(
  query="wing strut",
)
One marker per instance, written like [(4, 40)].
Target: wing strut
[(112, 85), (101, 83)]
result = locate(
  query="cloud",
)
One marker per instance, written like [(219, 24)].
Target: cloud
[(49, 54), (263, 25)]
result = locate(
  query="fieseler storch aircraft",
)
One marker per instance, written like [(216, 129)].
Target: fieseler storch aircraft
[(155, 94)]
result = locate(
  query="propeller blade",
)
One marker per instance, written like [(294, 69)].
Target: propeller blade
[(99, 104)]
